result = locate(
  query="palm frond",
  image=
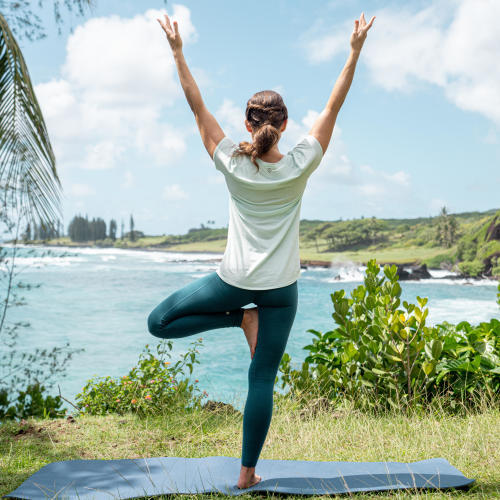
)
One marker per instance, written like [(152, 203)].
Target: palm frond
[(27, 162)]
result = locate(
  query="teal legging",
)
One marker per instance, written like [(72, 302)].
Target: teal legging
[(209, 303)]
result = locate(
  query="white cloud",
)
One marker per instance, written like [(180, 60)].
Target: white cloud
[(232, 120), (102, 156), (336, 169), (173, 192), (117, 79), (325, 47), (450, 43), (81, 190)]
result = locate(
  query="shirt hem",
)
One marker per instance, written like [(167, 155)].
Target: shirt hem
[(232, 283)]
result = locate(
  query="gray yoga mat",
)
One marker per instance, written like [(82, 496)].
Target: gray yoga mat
[(135, 478)]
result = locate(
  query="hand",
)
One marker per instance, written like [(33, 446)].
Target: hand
[(174, 39), (359, 34)]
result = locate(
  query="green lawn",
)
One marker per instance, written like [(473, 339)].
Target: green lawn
[(397, 254), (470, 443)]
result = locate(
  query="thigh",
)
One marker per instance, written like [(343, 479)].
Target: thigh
[(204, 295), (277, 309)]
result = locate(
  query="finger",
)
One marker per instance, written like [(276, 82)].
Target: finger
[(176, 26), (356, 25), (368, 26), (168, 23)]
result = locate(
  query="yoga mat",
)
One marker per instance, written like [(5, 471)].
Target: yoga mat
[(135, 478)]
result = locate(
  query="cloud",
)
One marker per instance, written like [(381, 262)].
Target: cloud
[(336, 169), (102, 156), (448, 43), (173, 192), (117, 80), (81, 190)]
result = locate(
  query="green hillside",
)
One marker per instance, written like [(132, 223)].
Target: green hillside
[(467, 242)]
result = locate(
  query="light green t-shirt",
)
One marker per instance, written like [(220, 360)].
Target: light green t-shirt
[(262, 249)]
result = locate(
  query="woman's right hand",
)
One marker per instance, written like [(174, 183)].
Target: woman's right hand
[(359, 34)]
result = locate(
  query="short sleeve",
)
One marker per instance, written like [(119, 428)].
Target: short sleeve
[(223, 153), (307, 154)]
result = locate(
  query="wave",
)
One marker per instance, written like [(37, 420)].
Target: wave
[(454, 310), (351, 272)]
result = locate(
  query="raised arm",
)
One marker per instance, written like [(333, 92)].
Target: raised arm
[(210, 131), (323, 126)]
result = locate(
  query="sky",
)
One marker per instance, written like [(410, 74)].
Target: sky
[(419, 129)]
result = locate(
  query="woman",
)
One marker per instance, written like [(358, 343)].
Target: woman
[(261, 262)]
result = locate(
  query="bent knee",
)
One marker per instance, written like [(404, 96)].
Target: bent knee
[(154, 324)]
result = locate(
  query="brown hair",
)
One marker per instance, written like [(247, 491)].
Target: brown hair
[(265, 112)]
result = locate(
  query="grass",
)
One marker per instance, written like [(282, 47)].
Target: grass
[(470, 443), (392, 254)]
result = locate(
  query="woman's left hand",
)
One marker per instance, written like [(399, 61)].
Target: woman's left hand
[(173, 36)]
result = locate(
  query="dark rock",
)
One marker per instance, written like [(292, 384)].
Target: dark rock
[(417, 272), (403, 274), (420, 272), (493, 231)]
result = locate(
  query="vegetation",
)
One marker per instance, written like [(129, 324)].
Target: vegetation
[(380, 355), (468, 243), (376, 352), (149, 387), (312, 433), (25, 374)]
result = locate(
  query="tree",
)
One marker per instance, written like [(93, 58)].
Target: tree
[(446, 229), (27, 161), (123, 228), (112, 229), (132, 235)]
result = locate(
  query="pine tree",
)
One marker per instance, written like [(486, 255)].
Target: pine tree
[(132, 235), (112, 229)]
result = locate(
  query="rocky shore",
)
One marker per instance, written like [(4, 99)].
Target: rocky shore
[(407, 271)]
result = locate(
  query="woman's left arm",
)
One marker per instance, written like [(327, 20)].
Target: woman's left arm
[(210, 131)]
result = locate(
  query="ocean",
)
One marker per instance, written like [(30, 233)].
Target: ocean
[(98, 299)]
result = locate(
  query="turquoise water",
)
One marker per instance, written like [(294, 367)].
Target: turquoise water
[(99, 299)]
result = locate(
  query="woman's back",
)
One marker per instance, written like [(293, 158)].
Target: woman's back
[(262, 249)]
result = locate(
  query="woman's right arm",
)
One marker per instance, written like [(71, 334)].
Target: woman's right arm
[(323, 126)]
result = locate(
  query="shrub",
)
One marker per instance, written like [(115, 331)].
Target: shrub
[(153, 386), (30, 403), (472, 268), (381, 356), (437, 260)]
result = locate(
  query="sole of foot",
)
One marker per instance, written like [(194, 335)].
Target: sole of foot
[(250, 325)]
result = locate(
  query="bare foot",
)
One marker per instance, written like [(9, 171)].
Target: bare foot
[(248, 477), (250, 325)]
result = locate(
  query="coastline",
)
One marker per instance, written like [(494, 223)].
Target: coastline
[(304, 263)]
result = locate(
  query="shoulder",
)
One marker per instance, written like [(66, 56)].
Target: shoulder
[(308, 145), (224, 146), (223, 154)]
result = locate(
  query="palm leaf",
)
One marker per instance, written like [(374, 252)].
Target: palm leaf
[(27, 162)]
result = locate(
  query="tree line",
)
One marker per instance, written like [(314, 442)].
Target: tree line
[(81, 229)]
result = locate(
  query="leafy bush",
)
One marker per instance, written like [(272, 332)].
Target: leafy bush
[(467, 248), (30, 403), (471, 268), (381, 356), (151, 387), (437, 260)]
